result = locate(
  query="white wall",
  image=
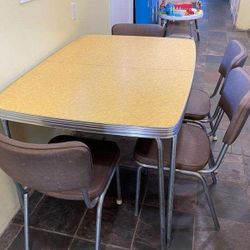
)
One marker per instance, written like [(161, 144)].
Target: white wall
[(121, 11), (243, 19), (96, 16), (29, 33)]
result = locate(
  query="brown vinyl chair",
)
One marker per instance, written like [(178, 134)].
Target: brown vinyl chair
[(128, 29), (194, 155), (199, 104), (67, 168)]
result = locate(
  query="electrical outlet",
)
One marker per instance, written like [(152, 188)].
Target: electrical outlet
[(73, 11)]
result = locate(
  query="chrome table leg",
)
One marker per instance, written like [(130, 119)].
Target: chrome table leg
[(171, 189), (6, 129), (161, 193), (138, 189)]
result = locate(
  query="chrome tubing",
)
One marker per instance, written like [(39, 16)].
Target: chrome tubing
[(171, 189), (161, 193), (138, 189), (118, 187), (26, 220)]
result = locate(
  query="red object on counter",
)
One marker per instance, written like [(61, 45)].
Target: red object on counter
[(189, 12), (183, 6)]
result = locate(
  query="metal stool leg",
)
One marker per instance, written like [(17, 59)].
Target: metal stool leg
[(166, 27), (26, 220), (197, 29), (191, 28), (118, 184), (138, 188)]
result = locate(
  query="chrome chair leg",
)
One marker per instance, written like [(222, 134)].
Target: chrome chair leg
[(138, 188), (216, 124), (99, 209), (211, 164), (118, 184), (206, 191), (26, 220), (214, 179), (99, 221), (214, 136), (210, 202), (210, 122)]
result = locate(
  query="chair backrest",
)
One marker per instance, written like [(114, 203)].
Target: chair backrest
[(234, 56), (128, 29), (235, 102), (47, 167)]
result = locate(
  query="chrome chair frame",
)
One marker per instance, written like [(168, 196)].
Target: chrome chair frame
[(214, 122), (89, 204), (200, 175), (23, 196), (218, 86), (220, 83), (210, 118)]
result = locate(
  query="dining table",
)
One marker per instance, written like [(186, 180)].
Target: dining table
[(111, 85)]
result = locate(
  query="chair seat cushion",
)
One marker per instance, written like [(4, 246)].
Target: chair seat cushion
[(105, 155), (198, 106), (193, 149)]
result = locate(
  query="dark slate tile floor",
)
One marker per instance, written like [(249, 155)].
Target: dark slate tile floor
[(57, 224)]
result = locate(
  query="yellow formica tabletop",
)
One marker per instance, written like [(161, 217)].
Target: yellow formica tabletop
[(109, 84)]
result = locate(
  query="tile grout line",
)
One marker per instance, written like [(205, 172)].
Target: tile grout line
[(75, 236), (36, 206), (80, 222), (193, 238), (15, 236), (139, 215), (104, 244), (21, 226), (50, 231), (33, 210)]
